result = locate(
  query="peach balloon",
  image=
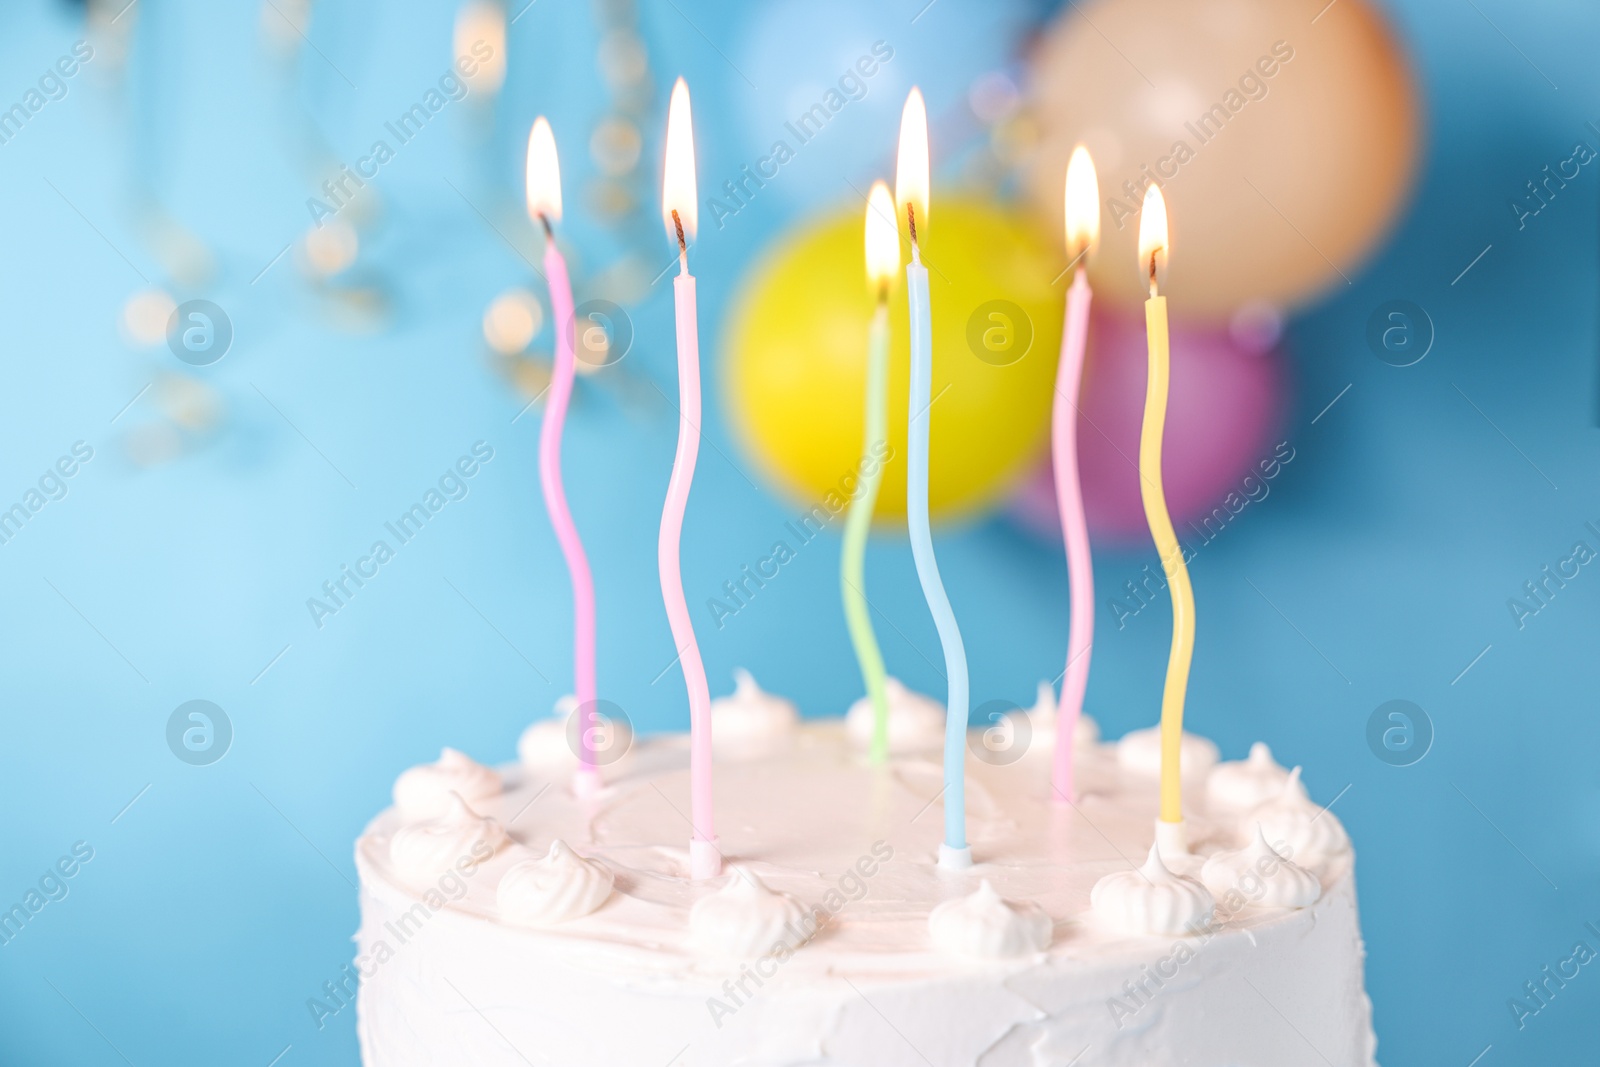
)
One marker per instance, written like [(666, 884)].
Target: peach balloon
[(1284, 146)]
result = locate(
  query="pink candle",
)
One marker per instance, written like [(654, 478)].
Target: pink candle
[(544, 204), (678, 205), (1083, 231)]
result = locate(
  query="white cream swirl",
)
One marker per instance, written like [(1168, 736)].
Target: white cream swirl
[(1309, 832), (916, 722), (1152, 901), (744, 919), (457, 840), (1258, 876), (984, 925), (1044, 721), (547, 744), (558, 888), (1140, 751), (423, 791), (751, 721), (1240, 785)]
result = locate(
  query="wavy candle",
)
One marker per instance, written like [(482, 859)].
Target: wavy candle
[(678, 208), (544, 205), (883, 255), (911, 191), (1083, 233), (1153, 247)]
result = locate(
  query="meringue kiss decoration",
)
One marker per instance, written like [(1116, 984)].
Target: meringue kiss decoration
[(558, 888), (1240, 785), (425, 791), (983, 925), (744, 919), (916, 722), (458, 840), (1309, 832), (550, 744), (1043, 725), (1140, 751), (1152, 901), (751, 721), (1258, 876)]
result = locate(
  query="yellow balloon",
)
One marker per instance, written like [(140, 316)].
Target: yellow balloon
[(1284, 147), (795, 384)]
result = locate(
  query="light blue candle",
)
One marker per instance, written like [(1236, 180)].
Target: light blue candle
[(954, 852)]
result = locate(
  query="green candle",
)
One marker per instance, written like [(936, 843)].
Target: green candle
[(882, 258), (883, 254)]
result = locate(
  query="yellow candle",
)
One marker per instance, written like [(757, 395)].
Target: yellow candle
[(1153, 244)]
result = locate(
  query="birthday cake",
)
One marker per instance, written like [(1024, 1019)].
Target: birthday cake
[(507, 919)]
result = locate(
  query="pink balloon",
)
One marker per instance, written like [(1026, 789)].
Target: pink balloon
[(1226, 401)]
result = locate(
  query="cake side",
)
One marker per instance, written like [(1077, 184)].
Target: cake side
[(447, 979)]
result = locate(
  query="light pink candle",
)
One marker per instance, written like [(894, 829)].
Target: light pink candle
[(544, 204), (1075, 531), (678, 201), (1083, 230)]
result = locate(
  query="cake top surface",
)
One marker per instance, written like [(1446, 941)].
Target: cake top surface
[(811, 833)]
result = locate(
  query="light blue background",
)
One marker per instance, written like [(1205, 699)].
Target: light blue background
[(222, 899)]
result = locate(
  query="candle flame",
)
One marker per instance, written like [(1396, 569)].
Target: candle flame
[(1153, 239), (678, 193), (1083, 206), (883, 238), (911, 166), (543, 173)]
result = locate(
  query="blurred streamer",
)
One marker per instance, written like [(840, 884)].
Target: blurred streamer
[(351, 294)]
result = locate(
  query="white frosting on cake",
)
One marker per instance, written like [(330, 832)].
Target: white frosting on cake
[(1308, 831), (555, 889), (843, 887), (547, 744), (1140, 751), (1242, 784), (751, 721), (744, 919), (458, 839), (916, 722), (986, 926), (1152, 901), (1259, 876), (423, 792)]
